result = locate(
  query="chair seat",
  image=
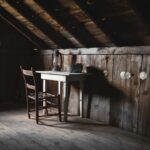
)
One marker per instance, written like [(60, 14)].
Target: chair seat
[(42, 95)]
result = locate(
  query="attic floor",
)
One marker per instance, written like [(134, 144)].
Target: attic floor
[(17, 132)]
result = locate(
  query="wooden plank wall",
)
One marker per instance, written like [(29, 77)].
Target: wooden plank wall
[(108, 98)]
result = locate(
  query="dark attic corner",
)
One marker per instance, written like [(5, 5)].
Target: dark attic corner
[(75, 74)]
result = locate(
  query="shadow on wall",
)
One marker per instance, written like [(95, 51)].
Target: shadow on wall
[(97, 84)]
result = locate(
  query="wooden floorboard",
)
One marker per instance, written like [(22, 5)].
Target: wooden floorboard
[(17, 132)]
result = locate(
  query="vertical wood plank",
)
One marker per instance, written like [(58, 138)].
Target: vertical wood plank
[(135, 66), (116, 100), (130, 103), (144, 99)]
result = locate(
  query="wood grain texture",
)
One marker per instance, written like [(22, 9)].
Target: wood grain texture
[(144, 98), (17, 132), (108, 98), (135, 67), (135, 50), (118, 97)]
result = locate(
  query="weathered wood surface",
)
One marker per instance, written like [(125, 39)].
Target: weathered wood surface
[(108, 98), (144, 99), (19, 133), (135, 67), (103, 51)]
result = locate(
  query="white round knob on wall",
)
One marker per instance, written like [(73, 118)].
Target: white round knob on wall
[(143, 75), (125, 75)]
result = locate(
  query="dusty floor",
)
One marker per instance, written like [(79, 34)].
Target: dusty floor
[(19, 133)]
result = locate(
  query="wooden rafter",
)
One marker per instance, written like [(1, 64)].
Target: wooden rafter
[(143, 8), (50, 20), (12, 21), (118, 20), (40, 23), (75, 27), (106, 16), (74, 10), (25, 22)]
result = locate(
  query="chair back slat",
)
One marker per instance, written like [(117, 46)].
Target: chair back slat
[(29, 79), (27, 72), (31, 87)]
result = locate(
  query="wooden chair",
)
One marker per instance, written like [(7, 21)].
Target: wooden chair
[(35, 99)]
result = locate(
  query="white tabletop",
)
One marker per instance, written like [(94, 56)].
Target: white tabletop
[(59, 73)]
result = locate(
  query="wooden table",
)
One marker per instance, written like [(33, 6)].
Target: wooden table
[(65, 77)]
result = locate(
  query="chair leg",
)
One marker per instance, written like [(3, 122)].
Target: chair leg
[(36, 111), (29, 116), (28, 109), (59, 108)]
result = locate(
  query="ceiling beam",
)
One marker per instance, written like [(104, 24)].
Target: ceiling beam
[(74, 10), (118, 20), (76, 28), (25, 22), (50, 20), (14, 23), (111, 17), (40, 23), (142, 7)]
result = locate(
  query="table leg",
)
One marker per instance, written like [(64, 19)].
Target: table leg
[(59, 87), (66, 100), (45, 111), (81, 99)]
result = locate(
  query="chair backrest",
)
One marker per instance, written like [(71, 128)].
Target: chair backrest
[(29, 80)]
